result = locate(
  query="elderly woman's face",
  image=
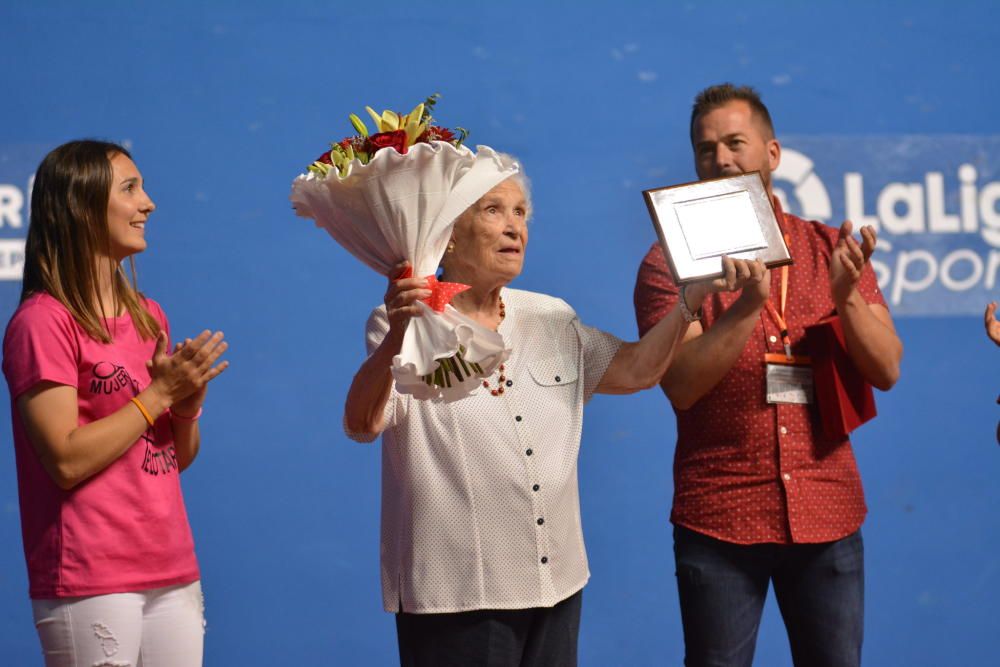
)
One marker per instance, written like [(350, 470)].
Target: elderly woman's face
[(490, 237)]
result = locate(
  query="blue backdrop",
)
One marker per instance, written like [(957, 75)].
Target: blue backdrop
[(223, 103)]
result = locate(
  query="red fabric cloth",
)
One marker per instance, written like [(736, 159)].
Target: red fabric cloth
[(441, 293), (845, 398), (746, 471)]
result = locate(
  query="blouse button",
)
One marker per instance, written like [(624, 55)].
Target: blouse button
[(540, 521), (517, 418), (545, 559), (783, 430), (529, 452), (535, 487), (558, 379), (510, 383), (773, 339)]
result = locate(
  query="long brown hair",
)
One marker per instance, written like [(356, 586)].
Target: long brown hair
[(69, 231)]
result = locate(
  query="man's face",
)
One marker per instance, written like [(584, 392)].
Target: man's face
[(729, 140)]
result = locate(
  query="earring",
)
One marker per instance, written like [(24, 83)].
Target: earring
[(451, 247)]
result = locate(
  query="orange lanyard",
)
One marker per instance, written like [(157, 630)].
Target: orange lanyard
[(779, 318)]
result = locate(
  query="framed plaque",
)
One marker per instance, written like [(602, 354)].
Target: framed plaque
[(700, 222)]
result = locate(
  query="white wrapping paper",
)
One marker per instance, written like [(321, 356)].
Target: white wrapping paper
[(400, 207)]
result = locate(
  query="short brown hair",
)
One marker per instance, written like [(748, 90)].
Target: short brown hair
[(68, 230), (714, 97)]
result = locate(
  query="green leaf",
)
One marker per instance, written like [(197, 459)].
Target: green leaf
[(429, 107)]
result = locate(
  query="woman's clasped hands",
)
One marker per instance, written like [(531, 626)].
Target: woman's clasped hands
[(182, 377)]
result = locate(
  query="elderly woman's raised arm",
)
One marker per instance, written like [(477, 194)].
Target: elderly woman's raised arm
[(642, 364)]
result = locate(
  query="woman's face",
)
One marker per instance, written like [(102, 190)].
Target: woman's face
[(128, 209), (490, 238)]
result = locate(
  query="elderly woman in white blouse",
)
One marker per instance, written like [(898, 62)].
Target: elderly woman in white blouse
[(482, 552)]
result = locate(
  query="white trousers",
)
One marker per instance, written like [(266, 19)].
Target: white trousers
[(163, 627)]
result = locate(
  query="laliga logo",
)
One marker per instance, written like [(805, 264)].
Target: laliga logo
[(12, 209), (810, 194), (914, 216)]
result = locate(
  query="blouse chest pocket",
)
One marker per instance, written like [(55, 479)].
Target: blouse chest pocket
[(554, 370)]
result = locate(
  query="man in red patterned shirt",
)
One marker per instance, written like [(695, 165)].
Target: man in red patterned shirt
[(761, 494)]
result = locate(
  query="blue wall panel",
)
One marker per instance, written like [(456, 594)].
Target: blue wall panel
[(224, 103)]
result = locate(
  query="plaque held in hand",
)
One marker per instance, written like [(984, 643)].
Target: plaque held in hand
[(698, 223)]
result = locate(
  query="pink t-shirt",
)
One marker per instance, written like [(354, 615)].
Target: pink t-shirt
[(125, 528)]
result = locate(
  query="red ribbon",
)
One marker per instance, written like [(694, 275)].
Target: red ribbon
[(441, 293)]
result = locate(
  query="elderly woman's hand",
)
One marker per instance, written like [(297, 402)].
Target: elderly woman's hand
[(369, 392), (401, 297), (749, 276)]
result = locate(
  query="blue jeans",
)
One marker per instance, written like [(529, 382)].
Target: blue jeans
[(722, 587)]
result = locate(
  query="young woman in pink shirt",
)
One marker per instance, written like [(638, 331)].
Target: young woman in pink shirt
[(105, 417)]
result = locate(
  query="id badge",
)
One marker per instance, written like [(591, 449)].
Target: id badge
[(787, 383)]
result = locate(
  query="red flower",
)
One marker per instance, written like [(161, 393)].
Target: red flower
[(396, 139), (436, 133), (325, 158)]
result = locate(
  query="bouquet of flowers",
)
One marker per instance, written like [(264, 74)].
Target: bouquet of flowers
[(395, 131), (395, 195)]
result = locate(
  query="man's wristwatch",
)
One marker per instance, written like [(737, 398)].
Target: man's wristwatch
[(685, 311)]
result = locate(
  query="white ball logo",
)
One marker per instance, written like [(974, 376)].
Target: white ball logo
[(810, 194)]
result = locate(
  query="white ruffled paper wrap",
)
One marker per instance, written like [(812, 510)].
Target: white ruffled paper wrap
[(404, 207)]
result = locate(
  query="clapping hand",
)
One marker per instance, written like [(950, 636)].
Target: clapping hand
[(848, 259), (182, 377), (992, 324)]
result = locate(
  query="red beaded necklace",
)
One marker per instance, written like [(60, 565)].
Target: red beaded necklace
[(503, 378)]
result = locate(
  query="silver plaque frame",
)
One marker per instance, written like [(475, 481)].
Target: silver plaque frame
[(698, 223)]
